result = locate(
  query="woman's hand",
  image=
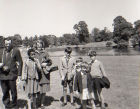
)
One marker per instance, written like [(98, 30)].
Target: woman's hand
[(1, 65), (5, 68)]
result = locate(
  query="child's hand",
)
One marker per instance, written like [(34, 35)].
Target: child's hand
[(43, 65), (76, 93)]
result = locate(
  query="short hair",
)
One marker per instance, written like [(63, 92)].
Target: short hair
[(7, 39), (68, 50), (29, 51), (92, 53), (85, 64), (80, 59)]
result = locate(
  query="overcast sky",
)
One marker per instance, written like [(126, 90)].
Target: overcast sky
[(31, 17)]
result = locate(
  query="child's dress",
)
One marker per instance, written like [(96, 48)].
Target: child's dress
[(83, 84), (86, 94), (31, 76)]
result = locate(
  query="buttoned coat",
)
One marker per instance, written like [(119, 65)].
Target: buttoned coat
[(14, 63), (66, 68)]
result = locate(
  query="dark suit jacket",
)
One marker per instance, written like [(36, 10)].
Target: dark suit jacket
[(78, 82), (14, 69)]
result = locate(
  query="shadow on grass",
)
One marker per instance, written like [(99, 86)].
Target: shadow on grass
[(21, 103), (49, 100)]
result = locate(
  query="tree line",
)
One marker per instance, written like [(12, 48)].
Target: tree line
[(122, 33)]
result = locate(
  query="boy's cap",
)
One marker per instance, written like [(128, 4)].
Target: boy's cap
[(92, 53), (68, 49)]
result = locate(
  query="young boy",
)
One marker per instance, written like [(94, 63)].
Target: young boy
[(66, 68), (83, 85), (97, 72)]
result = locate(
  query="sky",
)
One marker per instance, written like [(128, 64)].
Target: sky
[(57, 17)]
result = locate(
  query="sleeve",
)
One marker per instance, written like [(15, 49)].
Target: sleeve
[(46, 70), (38, 65), (102, 69), (76, 83), (25, 71), (61, 68), (19, 60)]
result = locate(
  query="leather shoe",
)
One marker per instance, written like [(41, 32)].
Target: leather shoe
[(63, 104)]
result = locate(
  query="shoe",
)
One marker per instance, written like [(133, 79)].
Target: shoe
[(63, 104), (42, 107), (8, 107), (73, 104)]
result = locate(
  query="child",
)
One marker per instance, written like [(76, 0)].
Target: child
[(45, 78), (97, 73), (66, 68), (31, 77), (83, 85)]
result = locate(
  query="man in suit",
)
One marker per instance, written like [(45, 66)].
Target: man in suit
[(66, 67), (9, 73)]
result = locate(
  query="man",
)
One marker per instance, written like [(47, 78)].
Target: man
[(97, 73), (66, 67), (9, 73)]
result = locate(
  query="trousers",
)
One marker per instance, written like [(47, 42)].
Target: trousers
[(7, 86)]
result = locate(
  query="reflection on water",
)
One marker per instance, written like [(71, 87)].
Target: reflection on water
[(82, 51)]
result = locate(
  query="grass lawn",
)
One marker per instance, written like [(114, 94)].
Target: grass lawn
[(123, 72)]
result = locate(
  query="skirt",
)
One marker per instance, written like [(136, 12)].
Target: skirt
[(32, 86), (44, 88), (86, 95)]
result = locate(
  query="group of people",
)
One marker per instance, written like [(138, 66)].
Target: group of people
[(85, 79)]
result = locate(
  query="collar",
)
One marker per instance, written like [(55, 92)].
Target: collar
[(67, 57)]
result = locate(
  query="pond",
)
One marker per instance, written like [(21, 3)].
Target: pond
[(82, 51), (103, 51)]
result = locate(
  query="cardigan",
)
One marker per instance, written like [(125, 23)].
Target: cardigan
[(78, 85)]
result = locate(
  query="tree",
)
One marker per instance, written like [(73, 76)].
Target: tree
[(136, 34), (45, 40), (71, 39), (1, 41), (96, 34), (122, 32), (101, 35), (82, 31), (26, 41)]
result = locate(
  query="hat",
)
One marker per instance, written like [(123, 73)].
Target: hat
[(92, 53), (68, 50)]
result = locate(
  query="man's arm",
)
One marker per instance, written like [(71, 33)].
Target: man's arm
[(19, 59)]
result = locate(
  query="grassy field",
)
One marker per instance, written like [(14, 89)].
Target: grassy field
[(122, 71)]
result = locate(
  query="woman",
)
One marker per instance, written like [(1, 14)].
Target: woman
[(44, 79)]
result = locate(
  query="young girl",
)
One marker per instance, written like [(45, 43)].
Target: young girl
[(83, 85), (31, 77)]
